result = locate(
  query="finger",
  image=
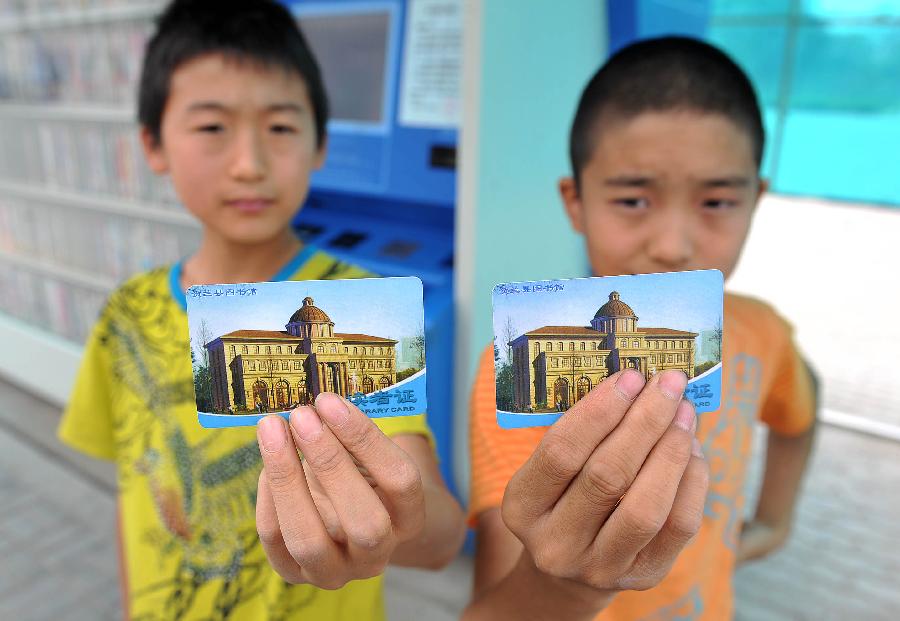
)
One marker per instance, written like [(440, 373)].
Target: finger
[(363, 517), (615, 464), (365, 472), (301, 528), (684, 521), (392, 470), (270, 535), (324, 506), (565, 448), (643, 512)]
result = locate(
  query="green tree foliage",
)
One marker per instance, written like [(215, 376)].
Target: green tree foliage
[(505, 392), (704, 367), (203, 388), (402, 375)]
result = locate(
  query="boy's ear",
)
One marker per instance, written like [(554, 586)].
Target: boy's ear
[(760, 190), (568, 192), (153, 152), (321, 154)]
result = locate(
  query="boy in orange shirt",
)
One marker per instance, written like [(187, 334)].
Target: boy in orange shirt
[(574, 520)]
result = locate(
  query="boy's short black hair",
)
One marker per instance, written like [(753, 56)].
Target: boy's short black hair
[(261, 31), (662, 74)]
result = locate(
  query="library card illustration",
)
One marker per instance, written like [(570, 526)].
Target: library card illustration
[(554, 340), (263, 348)]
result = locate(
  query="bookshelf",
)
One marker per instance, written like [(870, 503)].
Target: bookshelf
[(79, 209)]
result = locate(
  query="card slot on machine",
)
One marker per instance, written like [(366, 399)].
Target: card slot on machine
[(443, 156), (399, 249), (348, 239)]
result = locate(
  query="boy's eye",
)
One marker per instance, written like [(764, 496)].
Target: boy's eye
[(719, 203), (212, 128), (632, 203), (283, 129)]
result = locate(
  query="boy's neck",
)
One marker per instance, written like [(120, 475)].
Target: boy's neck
[(220, 261)]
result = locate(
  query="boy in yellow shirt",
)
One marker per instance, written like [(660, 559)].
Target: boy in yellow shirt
[(608, 509), (232, 107)]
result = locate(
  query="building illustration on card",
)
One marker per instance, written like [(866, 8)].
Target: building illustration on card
[(556, 366), (267, 370)]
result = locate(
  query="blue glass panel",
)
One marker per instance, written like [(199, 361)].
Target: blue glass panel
[(837, 9), (658, 18), (763, 63), (839, 137), (770, 118), (755, 8), (847, 68), (839, 155), (842, 132)]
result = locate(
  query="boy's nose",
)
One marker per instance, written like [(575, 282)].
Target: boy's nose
[(249, 158), (672, 243)]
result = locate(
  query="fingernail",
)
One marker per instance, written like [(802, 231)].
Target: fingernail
[(697, 448), (685, 416), (672, 383), (271, 433), (306, 423), (332, 408), (629, 384)]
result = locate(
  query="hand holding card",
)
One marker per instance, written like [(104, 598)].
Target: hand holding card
[(340, 514), (620, 366), (612, 493)]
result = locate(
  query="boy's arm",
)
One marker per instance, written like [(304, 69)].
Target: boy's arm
[(497, 552), (508, 587), (444, 529), (786, 461), (606, 502)]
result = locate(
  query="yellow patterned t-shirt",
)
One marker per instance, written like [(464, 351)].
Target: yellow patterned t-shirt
[(187, 495)]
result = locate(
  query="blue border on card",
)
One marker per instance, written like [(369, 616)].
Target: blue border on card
[(512, 420), (705, 390)]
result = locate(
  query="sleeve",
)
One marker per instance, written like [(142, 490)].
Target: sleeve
[(398, 425), (496, 454), (87, 423), (789, 407)]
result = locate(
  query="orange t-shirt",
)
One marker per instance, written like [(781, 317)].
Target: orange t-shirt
[(763, 378)]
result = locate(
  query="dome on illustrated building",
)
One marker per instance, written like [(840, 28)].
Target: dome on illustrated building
[(310, 313), (615, 308)]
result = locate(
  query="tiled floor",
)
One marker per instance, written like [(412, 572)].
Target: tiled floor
[(832, 270), (57, 554), (57, 559)]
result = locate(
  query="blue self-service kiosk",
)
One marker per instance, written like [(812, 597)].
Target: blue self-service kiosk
[(385, 197)]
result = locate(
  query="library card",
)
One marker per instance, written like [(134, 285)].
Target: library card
[(263, 348), (555, 340)]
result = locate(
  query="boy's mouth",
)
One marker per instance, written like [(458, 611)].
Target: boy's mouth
[(249, 205)]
